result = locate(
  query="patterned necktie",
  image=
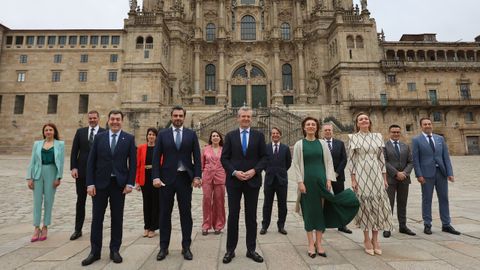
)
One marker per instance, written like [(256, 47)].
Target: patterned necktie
[(430, 141), (114, 142), (329, 143), (90, 137), (178, 138), (275, 152), (244, 142), (397, 148)]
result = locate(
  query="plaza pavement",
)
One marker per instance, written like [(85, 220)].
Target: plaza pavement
[(437, 251)]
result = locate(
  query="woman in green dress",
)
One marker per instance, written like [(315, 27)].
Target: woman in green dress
[(313, 169)]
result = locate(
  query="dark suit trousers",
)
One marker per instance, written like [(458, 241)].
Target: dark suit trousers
[(400, 189), (114, 194), (182, 186), (250, 197), (269, 192), (80, 206), (338, 186)]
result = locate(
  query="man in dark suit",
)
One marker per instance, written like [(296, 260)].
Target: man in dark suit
[(399, 163), (110, 175), (339, 157), (180, 170), (433, 168), (276, 181), (82, 142), (244, 157)]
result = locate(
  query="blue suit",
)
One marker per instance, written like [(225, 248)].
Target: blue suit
[(110, 173), (435, 167), (176, 181)]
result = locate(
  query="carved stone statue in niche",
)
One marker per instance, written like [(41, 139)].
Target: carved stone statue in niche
[(313, 83), (363, 3), (185, 85)]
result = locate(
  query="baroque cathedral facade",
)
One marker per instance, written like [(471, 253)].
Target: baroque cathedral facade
[(323, 58)]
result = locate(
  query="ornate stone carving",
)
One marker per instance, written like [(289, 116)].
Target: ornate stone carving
[(133, 5), (363, 3), (185, 86), (313, 83)]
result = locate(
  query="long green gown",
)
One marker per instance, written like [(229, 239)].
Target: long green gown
[(337, 210)]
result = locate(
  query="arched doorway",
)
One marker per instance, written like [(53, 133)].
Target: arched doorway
[(249, 87)]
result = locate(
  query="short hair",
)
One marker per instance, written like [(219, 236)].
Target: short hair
[(115, 112), (423, 119), (394, 126), (243, 108), (210, 137), (56, 135), (327, 124), (94, 112), (357, 129), (152, 129), (308, 118), (277, 129), (178, 108)]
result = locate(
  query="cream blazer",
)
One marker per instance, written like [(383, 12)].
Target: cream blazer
[(298, 168)]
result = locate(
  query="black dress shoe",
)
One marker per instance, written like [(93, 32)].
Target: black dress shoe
[(427, 229), (263, 231), (312, 255), (345, 230), (450, 229), (282, 231), (406, 230), (322, 254), (90, 259), (187, 254), (115, 257), (162, 254), (228, 256), (76, 235), (386, 234), (254, 256)]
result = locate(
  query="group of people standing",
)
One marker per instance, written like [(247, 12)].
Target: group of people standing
[(107, 165)]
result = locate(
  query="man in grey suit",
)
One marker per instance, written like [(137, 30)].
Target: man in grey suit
[(432, 169), (399, 163)]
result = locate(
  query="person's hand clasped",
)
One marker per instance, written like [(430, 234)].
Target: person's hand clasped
[(242, 176), (354, 184), (197, 183), (91, 191), (127, 189), (421, 180), (302, 188), (401, 176), (157, 183), (138, 187)]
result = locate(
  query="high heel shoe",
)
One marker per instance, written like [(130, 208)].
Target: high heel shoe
[(43, 235), (312, 254), (321, 254), (36, 235), (369, 251), (376, 250)]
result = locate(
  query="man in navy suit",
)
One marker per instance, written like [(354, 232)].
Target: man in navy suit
[(433, 168), (276, 181), (244, 157), (82, 142), (339, 157), (110, 175), (181, 169)]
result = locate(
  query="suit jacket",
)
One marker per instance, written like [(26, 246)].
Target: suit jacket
[(189, 154), (102, 163), (398, 163), (234, 160), (425, 161), (339, 156), (277, 166), (34, 170), (80, 150), (212, 170)]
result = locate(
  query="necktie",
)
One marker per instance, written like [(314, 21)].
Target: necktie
[(329, 143), (178, 139), (397, 148), (430, 141), (114, 142), (90, 137), (275, 152), (244, 142)]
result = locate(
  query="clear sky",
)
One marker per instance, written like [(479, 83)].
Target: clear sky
[(451, 20)]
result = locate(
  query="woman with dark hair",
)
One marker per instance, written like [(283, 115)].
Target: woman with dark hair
[(213, 185), (43, 177), (144, 182), (313, 169), (369, 181)]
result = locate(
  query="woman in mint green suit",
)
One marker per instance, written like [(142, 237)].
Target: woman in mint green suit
[(43, 177)]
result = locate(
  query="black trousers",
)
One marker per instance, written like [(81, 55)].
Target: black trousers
[(269, 193), (114, 194), (250, 198), (182, 187), (400, 189), (81, 189), (150, 204)]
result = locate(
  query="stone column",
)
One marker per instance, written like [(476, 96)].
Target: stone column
[(196, 98), (302, 97), (221, 19), (277, 98), (222, 93), (299, 13)]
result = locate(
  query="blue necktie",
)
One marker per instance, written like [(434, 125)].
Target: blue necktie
[(178, 139), (397, 148), (114, 142), (244, 142)]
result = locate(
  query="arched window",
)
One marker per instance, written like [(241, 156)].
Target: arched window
[(248, 28), (287, 77), (350, 42), (256, 72), (149, 42), (248, 2), (210, 77), (211, 32), (139, 43), (241, 71), (359, 41), (285, 31)]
